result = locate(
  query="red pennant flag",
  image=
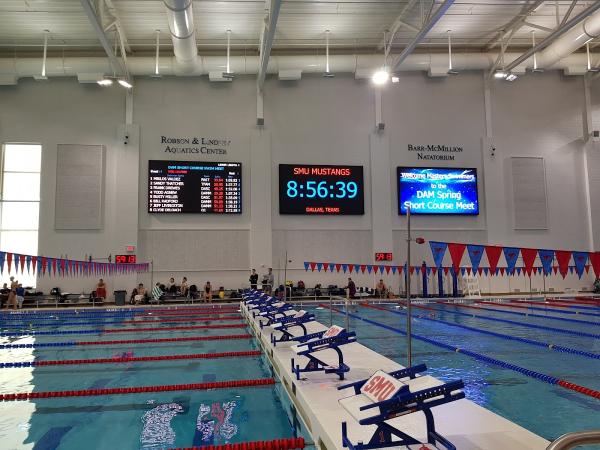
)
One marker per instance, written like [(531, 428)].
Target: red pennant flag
[(325, 266), (9, 258), (363, 267), (54, 266), (446, 270), (34, 263), (338, 267), (480, 270), (387, 269), (62, 267), (469, 271), (529, 255), (412, 269), (555, 269), (563, 257), (502, 271), (44, 264), (400, 269), (456, 253), (587, 268), (493, 255), (313, 265), (22, 263), (595, 260), (434, 270), (350, 268), (535, 270), (375, 268)]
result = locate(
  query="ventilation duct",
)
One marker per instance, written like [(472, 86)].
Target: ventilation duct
[(180, 16)]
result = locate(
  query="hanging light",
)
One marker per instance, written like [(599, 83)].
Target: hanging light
[(156, 59), (451, 71), (327, 73), (535, 67), (125, 83), (589, 60), (105, 82), (228, 73), (382, 76), (511, 77), (43, 76), (500, 74)]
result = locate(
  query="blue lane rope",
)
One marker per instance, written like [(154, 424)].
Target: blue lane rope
[(518, 313), (527, 325), (530, 373), (57, 323), (549, 309), (556, 348)]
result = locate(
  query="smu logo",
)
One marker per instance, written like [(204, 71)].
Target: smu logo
[(381, 387)]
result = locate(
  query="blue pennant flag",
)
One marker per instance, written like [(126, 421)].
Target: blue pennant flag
[(39, 266), (571, 270), (475, 253), (331, 267), (518, 271), (344, 267), (438, 250), (306, 265), (511, 254), (463, 271), (547, 257), (28, 260), (16, 262), (581, 259), (369, 268), (2, 258), (381, 268), (394, 270), (428, 271), (486, 270), (319, 266)]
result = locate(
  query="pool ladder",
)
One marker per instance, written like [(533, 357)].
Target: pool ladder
[(570, 440)]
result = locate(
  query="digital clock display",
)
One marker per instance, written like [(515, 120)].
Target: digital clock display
[(384, 256), (321, 190), (125, 259)]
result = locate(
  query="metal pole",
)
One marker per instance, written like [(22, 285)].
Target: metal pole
[(408, 307), (347, 320), (284, 277), (151, 276), (330, 310)]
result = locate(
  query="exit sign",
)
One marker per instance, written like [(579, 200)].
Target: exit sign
[(381, 256), (125, 259)]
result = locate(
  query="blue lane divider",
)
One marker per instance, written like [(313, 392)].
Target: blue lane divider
[(52, 333), (556, 348), (41, 318), (527, 325), (517, 313), (38, 345), (530, 373)]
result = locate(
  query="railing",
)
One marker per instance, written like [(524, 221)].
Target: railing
[(570, 440)]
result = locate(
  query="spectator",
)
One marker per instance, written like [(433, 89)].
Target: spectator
[(141, 294), (351, 288), (208, 292), (101, 289), (597, 286), (221, 292), (12, 295), (4, 292), (317, 290), (253, 279), (184, 288), (381, 289), (280, 292), (20, 292), (268, 280), (171, 286), (157, 293)]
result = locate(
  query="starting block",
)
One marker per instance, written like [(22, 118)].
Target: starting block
[(386, 396), (286, 323), (332, 338), (271, 311)]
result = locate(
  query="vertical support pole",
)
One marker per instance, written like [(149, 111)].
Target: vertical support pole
[(440, 283), (408, 306), (330, 310), (260, 113), (284, 277), (425, 281), (129, 107), (454, 282)]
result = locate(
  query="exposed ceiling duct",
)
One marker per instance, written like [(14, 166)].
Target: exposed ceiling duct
[(363, 66), (183, 34)]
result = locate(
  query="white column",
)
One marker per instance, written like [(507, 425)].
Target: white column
[(381, 195), (261, 232)]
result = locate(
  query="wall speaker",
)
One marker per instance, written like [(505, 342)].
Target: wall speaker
[(260, 121)]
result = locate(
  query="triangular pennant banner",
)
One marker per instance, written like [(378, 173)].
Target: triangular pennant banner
[(387, 269), (438, 250), (319, 266), (363, 267), (493, 255), (434, 271), (547, 257), (394, 270), (456, 253), (2, 258), (486, 270), (511, 254), (9, 258), (529, 255), (344, 267), (581, 259), (350, 267), (475, 254), (306, 265), (502, 271), (313, 265), (338, 267), (563, 257), (595, 261)]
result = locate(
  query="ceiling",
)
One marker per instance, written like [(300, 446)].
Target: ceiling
[(355, 25)]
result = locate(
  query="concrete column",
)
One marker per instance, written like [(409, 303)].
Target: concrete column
[(381, 195), (261, 232)]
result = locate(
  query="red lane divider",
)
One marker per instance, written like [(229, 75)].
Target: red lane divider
[(63, 362), (138, 390), (540, 304), (277, 444), (573, 302), (580, 389), (186, 313), (225, 337), (188, 308), (199, 319), (191, 327)]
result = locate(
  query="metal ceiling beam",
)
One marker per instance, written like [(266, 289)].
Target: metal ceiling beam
[(421, 34), (398, 22), (117, 21), (568, 13), (516, 23), (267, 37), (115, 62), (538, 27), (555, 35)]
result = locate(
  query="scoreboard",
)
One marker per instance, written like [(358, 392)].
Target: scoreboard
[(194, 187), (321, 190)]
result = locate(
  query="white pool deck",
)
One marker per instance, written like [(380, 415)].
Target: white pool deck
[(467, 425)]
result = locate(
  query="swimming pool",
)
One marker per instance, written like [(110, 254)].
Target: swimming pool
[(148, 420), (546, 409)]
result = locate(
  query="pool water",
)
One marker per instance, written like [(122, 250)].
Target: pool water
[(137, 421), (547, 410)]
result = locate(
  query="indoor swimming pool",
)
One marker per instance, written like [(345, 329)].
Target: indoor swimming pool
[(70, 351), (546, 409)]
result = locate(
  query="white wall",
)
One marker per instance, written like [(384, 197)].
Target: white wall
[(313, 121)]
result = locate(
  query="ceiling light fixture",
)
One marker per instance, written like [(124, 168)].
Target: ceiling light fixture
[(511, 77), (589, 59), (125, 83), (382, 76), (395, 79), (535, 67), (451, 71), (43, 77), (156, 62), (500, 74), (228, 73), (105, 82), (327, 73)]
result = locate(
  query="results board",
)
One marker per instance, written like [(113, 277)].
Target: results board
[(321, 190), (437, 190), (194, 187)]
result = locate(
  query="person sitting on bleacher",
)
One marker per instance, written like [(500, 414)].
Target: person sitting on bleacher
[(184, 288), (141, 294), (172, 287), (157, 293), (101, 289)]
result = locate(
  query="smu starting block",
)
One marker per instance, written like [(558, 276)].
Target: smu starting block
[(273, 310), (286, 323), (332, 338), (386, 396)]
